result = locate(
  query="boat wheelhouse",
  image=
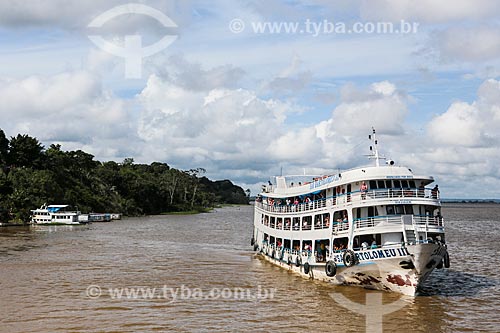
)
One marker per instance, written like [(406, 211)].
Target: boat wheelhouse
[(378, 226), (57, 214)]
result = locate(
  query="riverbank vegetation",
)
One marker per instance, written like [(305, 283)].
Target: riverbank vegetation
[(32, 175)]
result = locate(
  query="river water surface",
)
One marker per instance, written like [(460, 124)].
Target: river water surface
[(198, 274)]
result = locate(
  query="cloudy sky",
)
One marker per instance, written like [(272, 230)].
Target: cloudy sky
[(242, 100)]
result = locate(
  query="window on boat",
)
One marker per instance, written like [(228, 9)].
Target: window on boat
[(322, 221), (340, 244), (279, 242), (397, 184), (272, 240), (321, 248), (296, 223), (266, 220), (273, 222), (373, 184), (288, 224), (371, 241), (306, 222), (404, 183), (286, 244), (307, 245), (381, 184), (279, 223), (296, 244), (436, 236), (412, 184), (340, 216), (372, 211), (399, 210)]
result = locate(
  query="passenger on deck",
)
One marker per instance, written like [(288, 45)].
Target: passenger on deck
[(321, 252), (435, 192), (363, 189), (374, 244), (364, 245), (344, 219), (308, 202)]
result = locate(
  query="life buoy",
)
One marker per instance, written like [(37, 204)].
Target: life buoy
[(298, 261), (331, 268), (349, 258), (446, 260), (307, 268)]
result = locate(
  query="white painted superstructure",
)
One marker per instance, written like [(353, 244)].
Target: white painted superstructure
[(377, 226), (57, 214)]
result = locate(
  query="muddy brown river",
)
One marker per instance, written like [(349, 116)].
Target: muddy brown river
[(198, 273)]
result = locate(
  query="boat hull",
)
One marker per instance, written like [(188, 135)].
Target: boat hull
[(403, 273)]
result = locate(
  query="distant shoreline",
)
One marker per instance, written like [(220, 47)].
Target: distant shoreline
[(492, 201)]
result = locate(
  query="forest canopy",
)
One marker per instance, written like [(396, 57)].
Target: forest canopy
[(32, 175)]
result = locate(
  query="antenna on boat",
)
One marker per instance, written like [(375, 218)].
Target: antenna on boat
[(374, 148)]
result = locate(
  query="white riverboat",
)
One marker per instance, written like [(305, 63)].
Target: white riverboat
[(379, 226), (57, 214)]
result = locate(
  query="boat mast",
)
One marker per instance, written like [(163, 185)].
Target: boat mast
[(374, 147)]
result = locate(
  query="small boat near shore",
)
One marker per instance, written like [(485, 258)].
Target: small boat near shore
[(57, 215), (378, 226)]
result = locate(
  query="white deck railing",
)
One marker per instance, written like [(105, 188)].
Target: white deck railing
[(280, 206)]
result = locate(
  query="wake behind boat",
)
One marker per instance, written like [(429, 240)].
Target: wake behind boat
[(379, 226)]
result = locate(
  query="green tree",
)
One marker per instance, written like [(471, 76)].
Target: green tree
[(32, 188), (4, 149), (25, 151)]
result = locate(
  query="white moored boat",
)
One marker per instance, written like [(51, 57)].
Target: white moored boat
[(57, 214), (378, 226)]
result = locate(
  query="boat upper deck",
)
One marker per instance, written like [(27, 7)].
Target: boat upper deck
[(397, 195), (359, 186)]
